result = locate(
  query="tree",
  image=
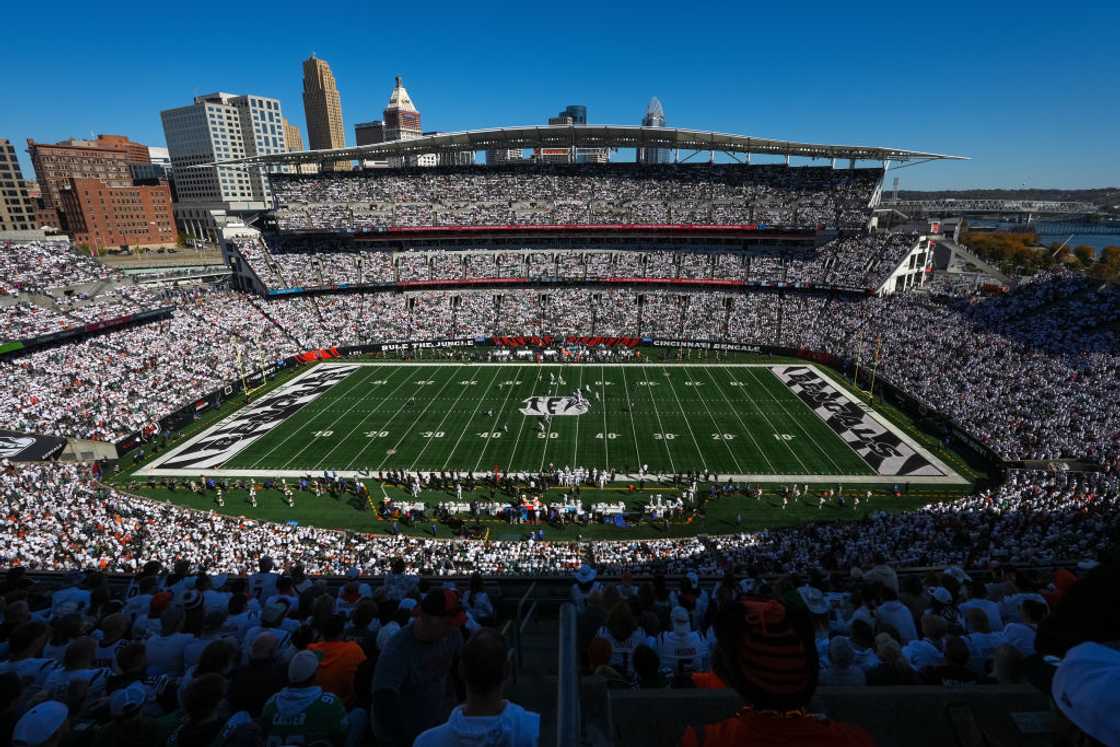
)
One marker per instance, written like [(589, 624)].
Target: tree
[(1085, 254)]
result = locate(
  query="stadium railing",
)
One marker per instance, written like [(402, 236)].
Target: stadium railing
[(568, 725)]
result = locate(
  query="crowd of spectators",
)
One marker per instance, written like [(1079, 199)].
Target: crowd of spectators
[(589, 194), (48, 287), (230, 633), (1027, 375), (852, 260)]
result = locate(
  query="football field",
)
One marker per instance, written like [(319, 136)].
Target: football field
[(745, 421)]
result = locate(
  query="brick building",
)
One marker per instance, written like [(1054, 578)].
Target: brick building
[(104, 216), (107, 159)]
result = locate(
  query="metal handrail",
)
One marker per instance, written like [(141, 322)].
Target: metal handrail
[(519, 627), (568, 687)]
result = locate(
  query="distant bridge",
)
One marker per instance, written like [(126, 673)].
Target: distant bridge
[(947, 206)]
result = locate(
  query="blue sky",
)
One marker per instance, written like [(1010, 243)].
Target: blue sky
[(1030, 92)]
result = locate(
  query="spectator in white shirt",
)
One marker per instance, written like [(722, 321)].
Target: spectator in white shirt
[(978, 599), (928, 651), (486, 718), (682, 650), (896, 614), (165, 651)]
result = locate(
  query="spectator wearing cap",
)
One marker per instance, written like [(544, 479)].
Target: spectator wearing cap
[(682, 650), (842, 670), (486, 717), (978, 599), (928, 651), (815, 602), (584, 585), (253, 683), (304, 713), (942, 605), (165, 651), (274, 620), (413, 680), (894, 613), (765, 651), (339, 660), (45, 725), (129, 726), (1086, 693)]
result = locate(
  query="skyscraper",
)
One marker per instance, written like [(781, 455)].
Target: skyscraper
[(654, 117), (17, 209), (402, 121), (323, 109), (574, 114), (220, 127)]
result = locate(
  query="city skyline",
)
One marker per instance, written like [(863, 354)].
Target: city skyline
[(981, 91)]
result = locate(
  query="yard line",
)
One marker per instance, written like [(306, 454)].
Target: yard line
[(462, 390), (517, 440), (739, 417), (548, 433), (664, 438), (311, 419), (687, 423), (603, 400), (630, 410), (575, 447), (802, 428), (360, 422), (394, 417), (494, 427), (704, 401), (770, 423), (463, 430)]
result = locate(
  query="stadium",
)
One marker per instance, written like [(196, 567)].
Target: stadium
[(564, 387)]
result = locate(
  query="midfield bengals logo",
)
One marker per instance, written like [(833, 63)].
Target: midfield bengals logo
[(542, 406)]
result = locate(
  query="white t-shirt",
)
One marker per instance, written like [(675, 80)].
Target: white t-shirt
[(622, 652), (990, 608), (683, 653), (263, 584), (165, 653)]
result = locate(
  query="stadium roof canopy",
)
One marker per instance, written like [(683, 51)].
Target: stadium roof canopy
[(594, 136)]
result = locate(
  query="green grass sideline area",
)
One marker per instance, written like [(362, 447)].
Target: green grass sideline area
[(696, 420)]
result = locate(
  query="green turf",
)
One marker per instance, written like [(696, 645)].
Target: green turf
[(718, 418), (724, 515)]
